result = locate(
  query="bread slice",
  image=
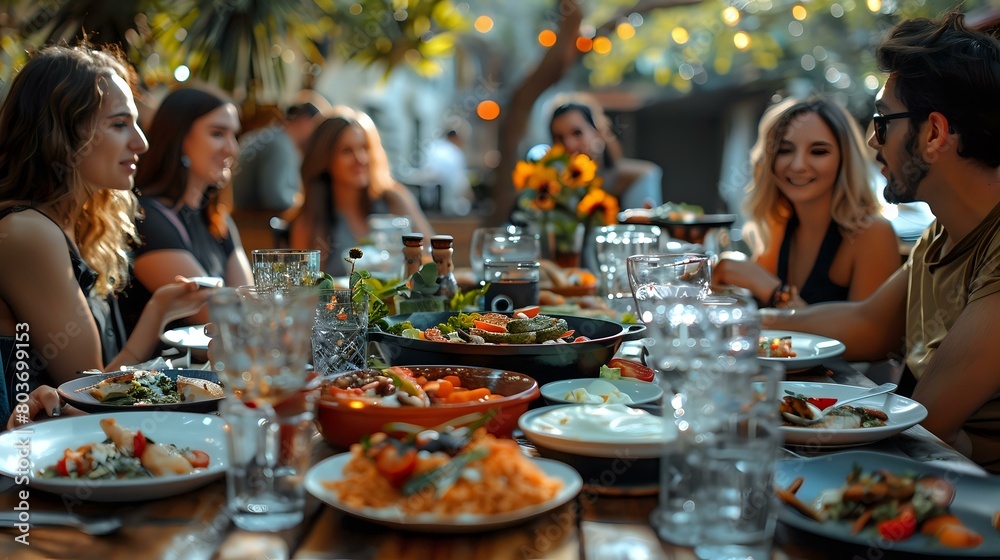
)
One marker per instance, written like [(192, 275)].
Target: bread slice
[(193, 389)]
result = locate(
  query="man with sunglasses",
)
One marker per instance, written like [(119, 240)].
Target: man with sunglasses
[(937, 134)]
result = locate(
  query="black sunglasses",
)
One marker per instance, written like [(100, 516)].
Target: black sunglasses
[(881, 123)]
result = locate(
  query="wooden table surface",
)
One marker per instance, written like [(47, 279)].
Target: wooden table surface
[(195, 525)]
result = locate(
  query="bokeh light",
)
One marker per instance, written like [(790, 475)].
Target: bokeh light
[(488, 110)]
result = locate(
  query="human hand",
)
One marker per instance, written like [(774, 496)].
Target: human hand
[(745, 274), (43, 399), (180, 299)]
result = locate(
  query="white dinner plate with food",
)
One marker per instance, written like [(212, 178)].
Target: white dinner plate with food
[(189, 339), (810, 349), (902, 413), (976, 500), (594, 430), (44, 443), (331, 470), (200, 391)]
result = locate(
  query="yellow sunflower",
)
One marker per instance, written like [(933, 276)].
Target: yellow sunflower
[(522, 172), (598, 200), (579, 172)]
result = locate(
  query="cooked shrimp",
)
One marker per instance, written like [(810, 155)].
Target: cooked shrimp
[(157, 459)]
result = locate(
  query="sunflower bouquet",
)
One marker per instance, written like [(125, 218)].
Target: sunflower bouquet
[(561, 193)]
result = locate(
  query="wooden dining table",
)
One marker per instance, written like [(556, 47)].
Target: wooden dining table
[(592, 526)]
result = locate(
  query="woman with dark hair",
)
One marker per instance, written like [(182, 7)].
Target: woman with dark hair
[(813, 222), (580, 125), (185, 230), (345, 178), (69, 143)]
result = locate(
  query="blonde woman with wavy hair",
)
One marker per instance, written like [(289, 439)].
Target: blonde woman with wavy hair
[(346, 178), (813, 223), (69, 142)]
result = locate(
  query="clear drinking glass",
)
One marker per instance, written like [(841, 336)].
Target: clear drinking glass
[(511, 245), (340, 333), (283, 268), (613, 245), (656, 278), (261, 352), (480, 238)]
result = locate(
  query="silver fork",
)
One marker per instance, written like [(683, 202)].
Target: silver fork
[(104, 525)]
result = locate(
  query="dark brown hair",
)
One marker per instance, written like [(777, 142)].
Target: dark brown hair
[(948, 68), (160, 171)]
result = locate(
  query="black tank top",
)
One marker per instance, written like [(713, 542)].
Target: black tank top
[(104, 310), (818, 287)]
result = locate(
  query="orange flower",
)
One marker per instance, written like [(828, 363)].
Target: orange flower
[(598, 200), (522, 172), (579, 171)]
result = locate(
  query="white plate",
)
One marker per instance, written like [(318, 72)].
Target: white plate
[(976, 499), (641, 392), (811, 349), (185, 338), (332, 469), (596, 430), (49, 439), (902, 412)]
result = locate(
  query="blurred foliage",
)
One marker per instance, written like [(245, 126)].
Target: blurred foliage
[(243, 46), (829, 42)]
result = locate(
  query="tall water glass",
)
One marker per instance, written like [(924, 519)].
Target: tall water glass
[(516, 246), (660, 277), (340, 333), (613, 245), (261, 352), (284, 268), (481, 238)]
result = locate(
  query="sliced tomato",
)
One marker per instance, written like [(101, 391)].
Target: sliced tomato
[(822, 403), (394, 467), (61, 467), (489, 327), (529, 311), (632, 368), (198, 458), (138, 445), (900, 527)]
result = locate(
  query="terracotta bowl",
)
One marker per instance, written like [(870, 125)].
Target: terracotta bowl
[(345, 421)]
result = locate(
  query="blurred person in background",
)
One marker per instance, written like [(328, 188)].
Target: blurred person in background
[(580, 125), (813, 223), (185, 229), (345, 179), (267, 171)]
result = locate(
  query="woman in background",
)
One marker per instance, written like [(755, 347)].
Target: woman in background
[(69, 143), (813, 222), (580, 125), (346, 178), (185, 230)]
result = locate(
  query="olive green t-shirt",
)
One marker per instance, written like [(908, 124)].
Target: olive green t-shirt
[(940, 287)]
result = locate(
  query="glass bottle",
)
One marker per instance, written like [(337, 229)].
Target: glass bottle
[(442, 250)]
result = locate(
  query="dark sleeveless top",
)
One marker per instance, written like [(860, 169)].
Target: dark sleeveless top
[(818, 286), (185, 229), (104, 310)]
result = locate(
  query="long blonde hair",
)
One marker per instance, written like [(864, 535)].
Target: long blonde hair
[(47, 123), (853, 203)]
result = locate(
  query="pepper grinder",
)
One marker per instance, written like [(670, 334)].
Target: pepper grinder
[(413, 252), (442, 249)]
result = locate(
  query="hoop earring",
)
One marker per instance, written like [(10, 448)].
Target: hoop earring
[(185, 162)]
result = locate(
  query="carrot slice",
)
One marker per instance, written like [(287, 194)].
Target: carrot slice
[(467, 396), (935, 524), (959, 536), (445, 388), (453, 379)]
